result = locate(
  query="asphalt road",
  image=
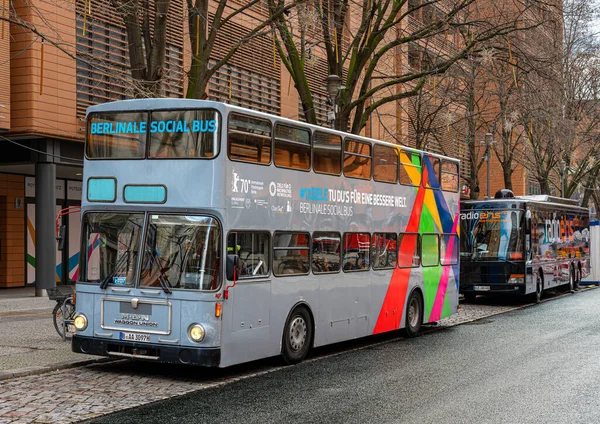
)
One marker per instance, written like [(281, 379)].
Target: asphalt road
[(536, 365)]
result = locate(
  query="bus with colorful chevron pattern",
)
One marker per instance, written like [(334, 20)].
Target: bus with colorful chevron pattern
[(214, 235)]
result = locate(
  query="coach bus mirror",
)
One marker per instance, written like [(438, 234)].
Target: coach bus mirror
[(61, 237), (233, 263)]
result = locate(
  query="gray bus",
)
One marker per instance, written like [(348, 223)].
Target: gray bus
[(214, 235), (523, 245)]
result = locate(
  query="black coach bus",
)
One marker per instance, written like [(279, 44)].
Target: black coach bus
[(522, 245)]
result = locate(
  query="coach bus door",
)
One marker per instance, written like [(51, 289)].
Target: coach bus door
[(529, 277)]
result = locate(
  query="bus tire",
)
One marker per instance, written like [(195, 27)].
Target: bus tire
[(414, 314), (577, 278), (571, 280), (536, 297), (297, 336)]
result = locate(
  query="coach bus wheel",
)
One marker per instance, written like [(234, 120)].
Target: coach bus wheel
[(297, 336), (539, 288), (414, 315), (577, 272), (571, 280)]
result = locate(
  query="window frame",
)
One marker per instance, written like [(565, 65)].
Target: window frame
[(296, 143), (88, 128), (456, 247), (457, 174), (149, 134), (372, 262), (401, 164), (269, 252), (418, 249), (438, 249), (341, 161), (397, 173), (308, 249), (368, 143), (339, 256), (343, 249), (229, 117)]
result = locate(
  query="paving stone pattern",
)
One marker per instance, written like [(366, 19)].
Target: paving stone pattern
[(81, 393)]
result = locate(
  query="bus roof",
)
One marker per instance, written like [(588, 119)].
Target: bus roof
[(544, 200), (173, 103)]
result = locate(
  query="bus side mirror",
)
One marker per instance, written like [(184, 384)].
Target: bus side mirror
[(61, 237), (233, 264)]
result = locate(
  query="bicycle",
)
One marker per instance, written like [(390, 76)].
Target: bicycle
[(63, 313)]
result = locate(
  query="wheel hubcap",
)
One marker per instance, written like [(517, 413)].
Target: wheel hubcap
[(298, 333), (413, 313)]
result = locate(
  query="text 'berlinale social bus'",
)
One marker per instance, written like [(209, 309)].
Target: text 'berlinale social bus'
[(522, 245), (214, 235)]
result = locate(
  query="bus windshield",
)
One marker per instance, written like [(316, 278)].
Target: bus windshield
[(492, 234)]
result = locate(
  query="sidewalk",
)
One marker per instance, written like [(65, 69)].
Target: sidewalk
[(29, 344)]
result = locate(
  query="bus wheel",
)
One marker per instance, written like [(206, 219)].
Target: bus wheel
[(539, 288), (577, 278), (297, 336), (414, 315), (571, 280)]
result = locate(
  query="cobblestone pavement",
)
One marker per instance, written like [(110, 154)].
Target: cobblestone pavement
[(81, 393)]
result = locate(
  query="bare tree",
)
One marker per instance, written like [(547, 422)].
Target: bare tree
[(358, 39)]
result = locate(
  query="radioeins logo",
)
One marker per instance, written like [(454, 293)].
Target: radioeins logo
[(480, 215)]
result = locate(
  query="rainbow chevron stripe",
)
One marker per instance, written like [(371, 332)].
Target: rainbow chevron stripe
[(430, 214)]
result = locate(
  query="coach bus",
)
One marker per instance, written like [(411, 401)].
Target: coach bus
[(522, 245), (214, 235)]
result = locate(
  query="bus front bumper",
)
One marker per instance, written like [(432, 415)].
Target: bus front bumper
[(207, 357), (491, 289)]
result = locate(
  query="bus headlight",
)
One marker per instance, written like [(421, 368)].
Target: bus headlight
[(80, 322), (516, 280), (196, 332)]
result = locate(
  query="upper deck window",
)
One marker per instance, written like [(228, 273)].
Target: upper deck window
[(357, 160), (327, 153), (184, 134), (249, 139), (116, 135), (385, 164), (449, 176), (410, 168), (292, 147)]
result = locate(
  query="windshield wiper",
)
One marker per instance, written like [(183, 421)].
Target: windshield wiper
[(164, 284), (104, 283)]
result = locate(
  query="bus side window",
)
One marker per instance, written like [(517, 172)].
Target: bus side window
[(356, 252), (249, 139), (433, 172), (384, 252), (327, 153), (326, 253), (410, 168), (449, 176), (409, 250), (430, 250), (357, 160), (291, 254), (253, 250), (292, 147), (449, 249), (385, 164)]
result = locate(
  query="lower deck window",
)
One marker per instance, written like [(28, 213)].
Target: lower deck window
[(356, 252), (291, 254), (253, 251)]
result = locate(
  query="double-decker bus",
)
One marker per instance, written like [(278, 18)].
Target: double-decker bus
[(522, 245), (214, 235)]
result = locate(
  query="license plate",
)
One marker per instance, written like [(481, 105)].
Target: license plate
[(134, 337), (481, 288)]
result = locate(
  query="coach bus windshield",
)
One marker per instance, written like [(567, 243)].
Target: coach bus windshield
[(491, 234), (179, 252)]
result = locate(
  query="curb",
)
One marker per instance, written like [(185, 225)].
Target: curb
[(24, 372)]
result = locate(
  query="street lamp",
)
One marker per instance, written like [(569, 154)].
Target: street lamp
[(333, 89), (489, 140)]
